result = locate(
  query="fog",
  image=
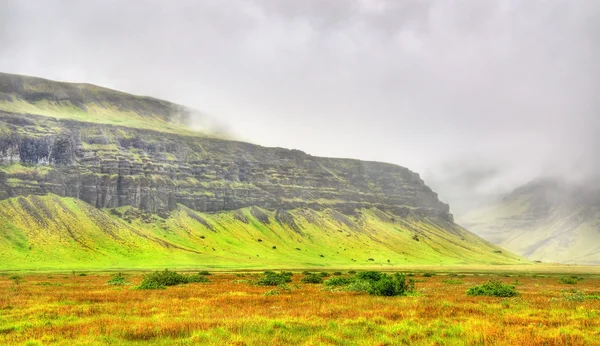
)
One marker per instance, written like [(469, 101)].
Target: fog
[(477, 96)]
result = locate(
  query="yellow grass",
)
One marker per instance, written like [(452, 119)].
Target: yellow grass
[(68, 309)]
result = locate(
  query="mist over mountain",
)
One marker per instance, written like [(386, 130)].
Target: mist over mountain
[(551, 220)]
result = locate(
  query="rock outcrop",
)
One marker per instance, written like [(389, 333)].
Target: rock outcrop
[(110, 166)]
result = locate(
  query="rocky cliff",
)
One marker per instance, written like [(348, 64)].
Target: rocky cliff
[(110, 166)]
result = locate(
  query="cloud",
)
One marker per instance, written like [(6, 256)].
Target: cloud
[(503, 86)]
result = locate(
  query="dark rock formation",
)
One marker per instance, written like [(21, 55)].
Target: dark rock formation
[(110, 166)]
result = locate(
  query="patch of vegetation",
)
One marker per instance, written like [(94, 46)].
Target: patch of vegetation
[(453, 282), (162, 279), (428, 274), (391, 285), (379, 284), (570, 280), (271, 278), (337, 273), (579, 296), (204, 272), (312, 279), (369, 276), (338, 281), (118, 280), (493, 288), (272, 293), (352, 272), (359, 286)]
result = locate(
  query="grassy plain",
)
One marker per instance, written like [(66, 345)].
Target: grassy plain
[(69, 309)]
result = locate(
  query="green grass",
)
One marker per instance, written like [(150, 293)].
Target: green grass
[(50, 232), (90, 103)]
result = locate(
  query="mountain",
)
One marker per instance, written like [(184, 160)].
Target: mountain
[(91, 177), (545, 220)]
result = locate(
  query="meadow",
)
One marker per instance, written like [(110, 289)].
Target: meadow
[(79, 308)]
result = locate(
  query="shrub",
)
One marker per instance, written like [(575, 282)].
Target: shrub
[(428, 274), (493, 288), (370, 276), (359, 286), (379, 284), (312, 279), (395, 285), (306, 272), (204, 272), (324, 274), (352, 272), (338, 281), (159, 280), (197, 278), (569, 280), (118, 280), (273, 279), (83, 274), (337, 273)]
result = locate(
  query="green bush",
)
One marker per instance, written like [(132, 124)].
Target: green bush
[(391, 285), (162, 279), (370, 276), (118, 280), (428, 274), (352, 272), (324, 274), (493, 288), (197, 278), (337, 273), (204, 272), (569, 280), (379, 284), (359, 286), (274, 279), (338, 281), (312, 279)]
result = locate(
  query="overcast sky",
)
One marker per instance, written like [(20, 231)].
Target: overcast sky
[(477, 96)]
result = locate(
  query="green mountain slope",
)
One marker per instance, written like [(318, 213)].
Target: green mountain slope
[(52, 232), (543, 220), (94, 104)]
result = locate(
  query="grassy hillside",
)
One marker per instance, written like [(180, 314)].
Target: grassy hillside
[(90, 103), (543, 221), (52, 232)]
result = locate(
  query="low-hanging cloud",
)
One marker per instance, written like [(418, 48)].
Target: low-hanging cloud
[(485, 94)]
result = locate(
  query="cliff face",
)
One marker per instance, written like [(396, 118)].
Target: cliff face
[(109, 166)]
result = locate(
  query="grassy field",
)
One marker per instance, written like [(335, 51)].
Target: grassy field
[(71, 309)]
